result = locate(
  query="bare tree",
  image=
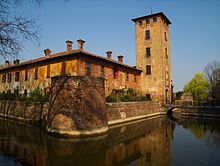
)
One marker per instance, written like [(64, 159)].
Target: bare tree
[(212, 74), (15, 29)]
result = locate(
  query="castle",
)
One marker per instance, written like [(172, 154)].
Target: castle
[(150, 76)]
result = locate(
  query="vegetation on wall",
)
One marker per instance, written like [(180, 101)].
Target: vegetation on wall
[(123, 95)]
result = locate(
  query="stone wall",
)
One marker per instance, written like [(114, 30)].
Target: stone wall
[(77, 106), (23, 110), (128, 110)]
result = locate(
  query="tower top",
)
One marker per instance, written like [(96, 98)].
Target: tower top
[(153, 15)]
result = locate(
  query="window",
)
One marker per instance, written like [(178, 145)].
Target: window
[(165, 36), (48, 71), (16, 91), (9, 78), (17, 76), (148, 70), (25, 93), (147, 21), (148, 97), (88, 68), (127, 76), (148, 51), (166, 54), (4, 78), (103, 71), (140, 22), (115, 73), (155, 19), (36, 73), (63, 69), (135, 78), (147, 34), (26, 75)]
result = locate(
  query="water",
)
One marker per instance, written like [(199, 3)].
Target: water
[(157, 141)]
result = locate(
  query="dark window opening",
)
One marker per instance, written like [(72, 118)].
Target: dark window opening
[(155, 19), (26, 75), (165, 36), (48, 71), (135, 78), (147, 21), (16, 91), (148, 97), (127, 76), (63, 69), (140, 22), (8, 91), (115, 73), (9, 78), (17, 76), (25, 93), (148, 51), (4, 78), (166, 53), (147, 34), (148, 70), (88, 68), (36, 73), (102, 71)]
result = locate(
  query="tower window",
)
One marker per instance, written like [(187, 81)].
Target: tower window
[(147, 21), (166, 54), (17, 76), (155, 19), (148, 51), (103, 71), (140, 22), (148, 97), (135, 78), (147, 34), (148, 70), (165, 36), (88, 68)]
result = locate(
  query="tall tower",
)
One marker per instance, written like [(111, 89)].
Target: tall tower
[(153, 56)]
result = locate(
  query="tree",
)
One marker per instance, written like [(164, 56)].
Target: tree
[(212, 75), (15, 29), (198, 87)]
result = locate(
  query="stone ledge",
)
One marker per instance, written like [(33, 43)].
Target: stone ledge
[(119, 121)]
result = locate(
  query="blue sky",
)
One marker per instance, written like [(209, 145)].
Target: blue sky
[(106, 25)]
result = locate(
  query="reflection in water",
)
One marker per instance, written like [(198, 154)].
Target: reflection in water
[(150, 142), (142, 143)]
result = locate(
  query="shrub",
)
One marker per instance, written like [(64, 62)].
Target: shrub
[(111, 98), (37, 96), (8, 96), (127, 98)]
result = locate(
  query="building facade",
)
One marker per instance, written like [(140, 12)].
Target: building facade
[(150, 77)]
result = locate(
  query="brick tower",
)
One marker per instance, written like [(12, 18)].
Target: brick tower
[(153, 56)]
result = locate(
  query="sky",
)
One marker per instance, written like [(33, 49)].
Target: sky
[(106, 25)]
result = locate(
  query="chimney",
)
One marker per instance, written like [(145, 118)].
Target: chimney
[(16, 62), (69, 45), (47, 52), (81, 44), (109, 54), (120, 59), (7, 63)]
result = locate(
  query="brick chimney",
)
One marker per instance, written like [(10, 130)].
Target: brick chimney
[(7, 63), (69, 45), (120, 58), (16, 62), (109, 54), (80, 44), (47, 52)]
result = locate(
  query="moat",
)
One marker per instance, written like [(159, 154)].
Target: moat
[(157, 141)]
